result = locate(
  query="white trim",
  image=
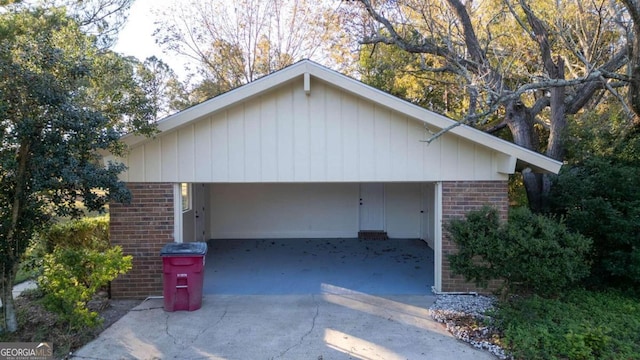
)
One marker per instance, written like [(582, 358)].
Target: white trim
[(177, 212), (437, 251), (307, 84), (505, 164)]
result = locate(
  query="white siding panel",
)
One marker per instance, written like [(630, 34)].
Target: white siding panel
[(366, 139), (252, 157), (399, 148), (415, 161), (432, 158), (382, 141), (235, 120), (268, 140), (136, 159), (169, 154), (317, 133), (152, 162), (483, 162), (284, 103), (334, 120), (220, 147), (350, 154), (301, 135), (203, 148), (449, 164), (466, 159), (186, 153)]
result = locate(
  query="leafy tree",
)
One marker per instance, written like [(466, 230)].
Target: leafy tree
[(531, 64), (100, 18), (233, 45), (158, 82), (598, 193), (53, 124), (401, 74)]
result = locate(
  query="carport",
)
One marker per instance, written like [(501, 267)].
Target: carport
[(296, 238), (307, 154)]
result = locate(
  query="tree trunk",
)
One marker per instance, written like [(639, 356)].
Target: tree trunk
[(634, 58), (520, 123), (10, 321), (10, 267)]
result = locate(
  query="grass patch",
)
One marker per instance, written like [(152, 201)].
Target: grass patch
[(579, 325), (23, 275)]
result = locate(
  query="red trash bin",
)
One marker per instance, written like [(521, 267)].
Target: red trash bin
[(183, 275)]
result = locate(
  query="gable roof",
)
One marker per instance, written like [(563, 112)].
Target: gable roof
[(309, 69)]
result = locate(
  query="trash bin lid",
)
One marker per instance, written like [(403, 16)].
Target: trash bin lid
[(184, 249)]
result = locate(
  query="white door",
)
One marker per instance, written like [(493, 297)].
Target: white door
[(199, 211), (371, 206)]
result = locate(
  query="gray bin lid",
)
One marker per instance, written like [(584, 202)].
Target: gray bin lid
[(184, 249)]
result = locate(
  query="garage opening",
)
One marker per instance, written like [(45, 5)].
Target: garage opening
[(297, 238)]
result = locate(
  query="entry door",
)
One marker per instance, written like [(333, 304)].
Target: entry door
[(371, 206)]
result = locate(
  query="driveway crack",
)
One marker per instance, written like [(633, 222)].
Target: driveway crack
[(209, 327), (166, 329), (313, 325)]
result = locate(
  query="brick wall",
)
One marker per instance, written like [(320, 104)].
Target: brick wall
[(458, 198), (141, 228)]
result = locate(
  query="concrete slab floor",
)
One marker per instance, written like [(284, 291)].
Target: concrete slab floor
[(305, 266)]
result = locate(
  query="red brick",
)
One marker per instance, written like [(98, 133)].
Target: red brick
[(141, 228), (458, 198)]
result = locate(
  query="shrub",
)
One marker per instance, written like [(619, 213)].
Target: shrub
[(601, 200), (72, 276), (89, 233), (530, 253), (579, 325), (80, 263)]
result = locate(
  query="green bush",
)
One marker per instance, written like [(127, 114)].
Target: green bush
[(72, 276), (89, 233), (530, 253), (601, 199), (80, 262), (579, 325)]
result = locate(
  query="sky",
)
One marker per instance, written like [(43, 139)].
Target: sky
[(136, 38)]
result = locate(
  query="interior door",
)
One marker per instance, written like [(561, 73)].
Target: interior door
[(371, 206)]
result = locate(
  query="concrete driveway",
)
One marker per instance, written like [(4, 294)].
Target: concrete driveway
[(338, 324), (305, 299)]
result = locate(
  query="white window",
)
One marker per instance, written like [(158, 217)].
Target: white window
[(186, 196)]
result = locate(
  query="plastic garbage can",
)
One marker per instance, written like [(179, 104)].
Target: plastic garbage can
[(183, 275)]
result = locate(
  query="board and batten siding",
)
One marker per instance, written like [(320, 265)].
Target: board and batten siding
[(329, 135)]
